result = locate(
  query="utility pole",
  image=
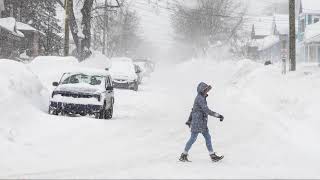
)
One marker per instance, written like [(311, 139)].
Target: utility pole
[(105, 27), (292, 36), (66, 27)]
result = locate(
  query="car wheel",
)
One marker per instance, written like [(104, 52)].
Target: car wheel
[(53, 111), (109, 113), (102, 113), (136, 86)]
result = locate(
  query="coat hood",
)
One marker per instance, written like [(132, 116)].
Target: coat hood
[(201, 87)]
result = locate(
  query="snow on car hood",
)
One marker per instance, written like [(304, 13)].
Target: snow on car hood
[(81, 88)]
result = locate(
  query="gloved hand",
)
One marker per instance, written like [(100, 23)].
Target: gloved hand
[(221, 118), (188, 123)]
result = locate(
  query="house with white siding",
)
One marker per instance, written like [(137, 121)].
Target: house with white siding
[(308, 35), (269, 35)]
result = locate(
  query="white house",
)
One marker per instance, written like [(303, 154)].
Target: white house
[(308, 35), (269, 35)]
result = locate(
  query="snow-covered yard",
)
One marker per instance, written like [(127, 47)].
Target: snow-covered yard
[(271, 127)]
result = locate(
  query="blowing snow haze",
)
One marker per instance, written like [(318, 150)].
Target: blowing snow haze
[(159, 89)]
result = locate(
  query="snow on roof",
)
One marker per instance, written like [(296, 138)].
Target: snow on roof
[(25, 27), (282, 23), (9, 24), (310, 6), (265, 43), (312, 33), (89, 71), (262, 25)]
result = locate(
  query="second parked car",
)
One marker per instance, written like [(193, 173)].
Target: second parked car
[(124, 73)]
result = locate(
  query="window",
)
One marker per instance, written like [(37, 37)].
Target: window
[(82, 78), (302, 25), (316, 19), (309, 19)]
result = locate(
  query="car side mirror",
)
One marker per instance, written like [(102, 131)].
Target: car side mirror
[(55, 84), (109, 88)]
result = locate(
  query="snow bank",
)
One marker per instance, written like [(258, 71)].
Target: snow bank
[(97, 60), (18, 81), (22, 97), (50, 68)]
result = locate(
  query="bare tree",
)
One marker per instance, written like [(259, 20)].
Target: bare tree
[(122, 30), (83, 44), (207, 23)]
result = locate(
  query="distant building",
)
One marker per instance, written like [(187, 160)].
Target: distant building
[(269, 36), (17, 37), (308, 36)]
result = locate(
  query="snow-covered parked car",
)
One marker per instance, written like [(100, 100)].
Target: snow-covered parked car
[(123, 73), (84, 93)]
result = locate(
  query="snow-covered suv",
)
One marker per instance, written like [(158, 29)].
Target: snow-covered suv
[(84, 93)]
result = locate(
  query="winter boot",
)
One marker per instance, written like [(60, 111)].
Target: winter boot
[(184, 158), (215, 158)]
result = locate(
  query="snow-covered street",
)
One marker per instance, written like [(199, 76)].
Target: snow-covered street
[(270, 123)]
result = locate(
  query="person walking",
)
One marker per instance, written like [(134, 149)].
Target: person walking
[(198, 122)]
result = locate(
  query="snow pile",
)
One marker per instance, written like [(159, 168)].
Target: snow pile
[(50, 68), (97, 60), (22, 97), (17, 81)]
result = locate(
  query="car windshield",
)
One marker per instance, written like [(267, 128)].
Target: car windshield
[(82, 78)]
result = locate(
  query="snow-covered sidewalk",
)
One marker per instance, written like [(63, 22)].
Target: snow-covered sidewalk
[(270, 128)]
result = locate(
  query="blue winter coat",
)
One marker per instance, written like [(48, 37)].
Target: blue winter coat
[(200, 111)]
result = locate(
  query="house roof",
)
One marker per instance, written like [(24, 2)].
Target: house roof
[(262, 25), (9, 24), (265, 43), (312, 33), (25, 27), (282, 23), (310, 6)]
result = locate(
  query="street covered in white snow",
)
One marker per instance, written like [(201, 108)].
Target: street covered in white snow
[(159, 89), (270, 128)]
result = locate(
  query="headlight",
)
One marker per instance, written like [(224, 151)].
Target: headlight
[(54, 93)]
